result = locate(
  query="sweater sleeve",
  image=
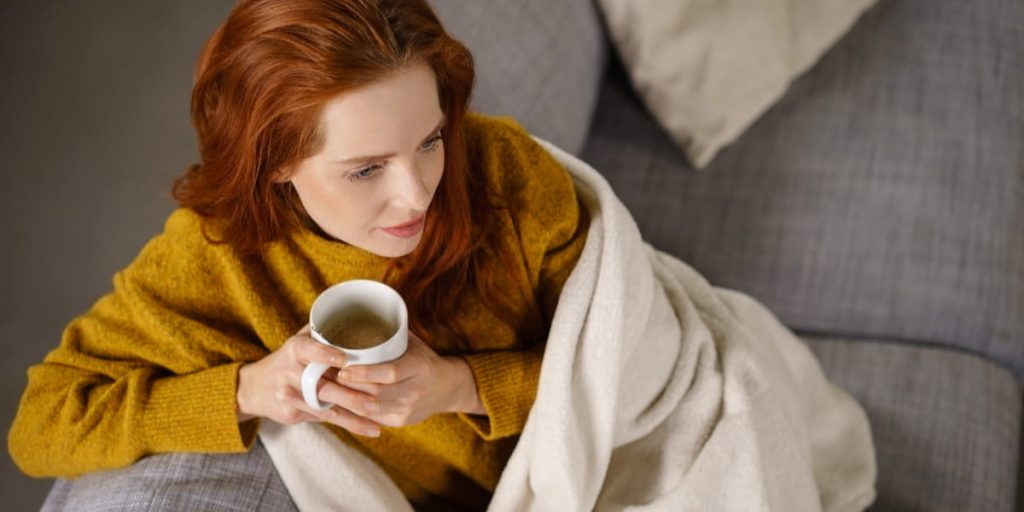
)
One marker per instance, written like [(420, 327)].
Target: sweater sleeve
[(152, 367), (552, 228)]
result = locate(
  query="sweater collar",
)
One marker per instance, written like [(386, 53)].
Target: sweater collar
[(323, 247)]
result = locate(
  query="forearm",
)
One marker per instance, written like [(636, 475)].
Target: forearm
[(506, 382), (72, 422)]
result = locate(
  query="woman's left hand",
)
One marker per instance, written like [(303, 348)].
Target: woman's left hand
[(414, 387)]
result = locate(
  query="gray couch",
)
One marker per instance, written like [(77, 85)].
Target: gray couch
[(877, 208)]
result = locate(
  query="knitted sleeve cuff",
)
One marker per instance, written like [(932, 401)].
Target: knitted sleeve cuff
[(197, 412), (507, 384)]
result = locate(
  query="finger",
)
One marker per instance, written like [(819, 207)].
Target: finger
[(351, 422), (382, 392), (371, 389), (385, 373), (391, 399), (293, 377), (306, 417), (352, 400), (306, 330), (294, 416), (293, 409), (307, 350)]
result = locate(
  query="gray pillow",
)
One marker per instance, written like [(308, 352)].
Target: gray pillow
[(536, 60)]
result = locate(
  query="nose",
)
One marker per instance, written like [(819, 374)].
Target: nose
[(409, 191)]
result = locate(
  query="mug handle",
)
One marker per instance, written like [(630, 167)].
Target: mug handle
[(310, 377)]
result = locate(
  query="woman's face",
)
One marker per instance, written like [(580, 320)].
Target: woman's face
[(382, 158)]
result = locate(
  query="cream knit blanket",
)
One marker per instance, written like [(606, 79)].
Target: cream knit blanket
[(657, 392)]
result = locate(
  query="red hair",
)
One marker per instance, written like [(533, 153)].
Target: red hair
[(262, 82)]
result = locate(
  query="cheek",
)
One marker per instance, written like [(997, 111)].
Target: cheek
[(311, 194), (326, 204)]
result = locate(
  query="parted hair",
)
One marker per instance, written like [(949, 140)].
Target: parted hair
[(261, 84)]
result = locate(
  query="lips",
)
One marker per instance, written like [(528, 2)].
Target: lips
[(406, 230)]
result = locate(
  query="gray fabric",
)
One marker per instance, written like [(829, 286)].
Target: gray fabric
[(536, 60), (881, 197), (946, 424), (178, 481)]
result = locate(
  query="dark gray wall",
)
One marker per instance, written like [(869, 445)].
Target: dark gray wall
[(94, 103)]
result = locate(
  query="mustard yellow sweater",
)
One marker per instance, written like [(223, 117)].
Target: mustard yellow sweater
[(153, 366)]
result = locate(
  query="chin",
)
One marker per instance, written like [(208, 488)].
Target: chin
[(393, 247)]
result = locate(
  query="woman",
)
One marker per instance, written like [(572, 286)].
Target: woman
[(335, 145)]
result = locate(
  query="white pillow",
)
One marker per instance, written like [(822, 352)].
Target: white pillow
[(707, 69)]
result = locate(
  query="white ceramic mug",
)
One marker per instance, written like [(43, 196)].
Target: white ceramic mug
[(364, 294)]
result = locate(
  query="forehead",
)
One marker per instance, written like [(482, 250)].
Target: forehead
[(379, 116)]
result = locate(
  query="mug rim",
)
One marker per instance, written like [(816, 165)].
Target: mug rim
[(402, 310)]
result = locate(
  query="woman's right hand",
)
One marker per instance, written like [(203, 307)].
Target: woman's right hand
[(272, 388)]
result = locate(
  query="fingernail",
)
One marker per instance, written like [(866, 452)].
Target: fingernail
[(373, 432), (337, 360), (344, 375)]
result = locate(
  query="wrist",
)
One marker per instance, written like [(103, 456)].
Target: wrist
[(467, 398), (241, 397)]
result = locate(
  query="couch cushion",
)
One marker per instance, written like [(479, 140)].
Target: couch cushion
[(171, 482), (883, 196), (536, 60), (706, 68), (946, 424)]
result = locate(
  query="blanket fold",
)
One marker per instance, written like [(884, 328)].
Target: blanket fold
[(657, 392)]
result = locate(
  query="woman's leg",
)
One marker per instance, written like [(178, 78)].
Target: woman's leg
[(178, 481)]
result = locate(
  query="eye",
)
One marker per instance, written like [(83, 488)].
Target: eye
[(431, 144), (364, 174)]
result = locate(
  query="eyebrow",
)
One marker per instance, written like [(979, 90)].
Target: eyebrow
[(360, 159)]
